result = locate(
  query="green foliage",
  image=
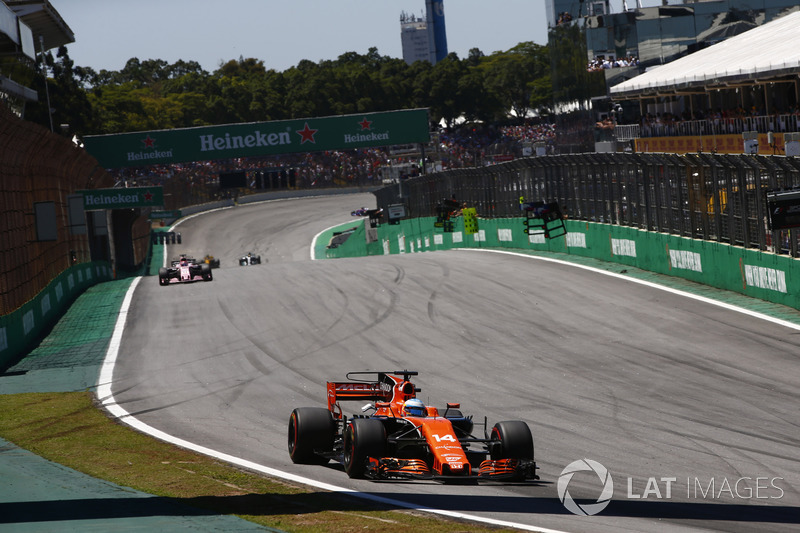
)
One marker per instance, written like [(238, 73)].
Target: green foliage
[(153, 94)]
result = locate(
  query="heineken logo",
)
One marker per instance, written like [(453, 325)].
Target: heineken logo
[(92, 200), (307, 135), (209, 143), (366, 125), (122, 198), (362, 138), (144, 156), (151, 153)]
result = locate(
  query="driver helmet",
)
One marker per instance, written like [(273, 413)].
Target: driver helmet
[(414, 407)]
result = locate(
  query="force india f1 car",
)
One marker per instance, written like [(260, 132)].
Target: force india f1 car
[(397, 441), (184, 270)]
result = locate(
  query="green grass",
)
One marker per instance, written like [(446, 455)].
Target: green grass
[(70, 429)]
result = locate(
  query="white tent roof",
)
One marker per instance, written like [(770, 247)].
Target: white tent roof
[(768, 51)]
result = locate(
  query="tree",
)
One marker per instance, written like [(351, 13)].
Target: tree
[(445, 99), (154, 94), (511, 76), (72, 112)]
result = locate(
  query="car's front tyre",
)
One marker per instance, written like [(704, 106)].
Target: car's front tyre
[(363, 438), (511, 440)]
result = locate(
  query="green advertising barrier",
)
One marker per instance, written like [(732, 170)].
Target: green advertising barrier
[(122, 198), (344, 132), (22, 328), (763, 275)]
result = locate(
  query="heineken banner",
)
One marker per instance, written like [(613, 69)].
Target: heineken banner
[(260, 138), (96, 199)]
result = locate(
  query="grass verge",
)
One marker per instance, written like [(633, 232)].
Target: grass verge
[(69, 429)]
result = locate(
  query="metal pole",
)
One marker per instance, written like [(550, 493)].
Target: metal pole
[(46, 89)]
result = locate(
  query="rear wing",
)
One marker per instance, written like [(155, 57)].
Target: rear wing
[(386, 387)]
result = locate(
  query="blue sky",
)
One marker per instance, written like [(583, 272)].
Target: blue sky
[(281, 34)]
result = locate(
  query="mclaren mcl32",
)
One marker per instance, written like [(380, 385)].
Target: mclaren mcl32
[(401, 438)]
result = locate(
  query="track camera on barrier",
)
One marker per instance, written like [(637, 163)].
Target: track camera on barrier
[(544, 218)]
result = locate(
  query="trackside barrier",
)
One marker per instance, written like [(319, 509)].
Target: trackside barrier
[(165, 237), (713, 197), (763, 275), (23, 328)]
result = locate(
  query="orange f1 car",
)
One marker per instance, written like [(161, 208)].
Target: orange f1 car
[(404, 439)]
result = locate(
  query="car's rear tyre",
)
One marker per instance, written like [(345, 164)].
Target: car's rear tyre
[(205, 271), (363, 438), (511, 440), (310, 429)]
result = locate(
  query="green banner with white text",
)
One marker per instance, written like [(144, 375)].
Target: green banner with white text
[(122, 198), (205, 143)]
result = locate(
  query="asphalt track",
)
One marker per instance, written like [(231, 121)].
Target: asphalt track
[(665, 391)]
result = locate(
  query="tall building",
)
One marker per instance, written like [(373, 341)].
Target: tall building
[(437, 34), (414, 37), (424, 39), (585, 35)]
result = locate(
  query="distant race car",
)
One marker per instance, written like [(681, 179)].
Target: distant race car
[(211, 261), (184, 269), (249, 259), (365, 212), (403, 438)]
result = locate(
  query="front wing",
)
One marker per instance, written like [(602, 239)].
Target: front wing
[(489, 470)]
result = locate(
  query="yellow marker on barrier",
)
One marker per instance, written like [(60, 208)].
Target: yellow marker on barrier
[(470, 220)]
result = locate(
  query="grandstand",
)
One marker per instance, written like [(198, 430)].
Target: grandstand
[(638, 41), (748, 83)]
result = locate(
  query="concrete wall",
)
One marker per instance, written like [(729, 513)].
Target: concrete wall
[(22, 329)]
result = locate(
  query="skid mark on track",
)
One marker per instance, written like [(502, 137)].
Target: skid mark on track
[(251, 358), (208, 392), (388, 288)]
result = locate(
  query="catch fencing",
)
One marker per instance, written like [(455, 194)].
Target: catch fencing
[(713, 197), (38, 167)]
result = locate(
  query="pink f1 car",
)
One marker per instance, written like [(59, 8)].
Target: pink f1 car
[(184, 270)]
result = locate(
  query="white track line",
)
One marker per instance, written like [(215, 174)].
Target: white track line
[(106, 397), (109, 403), (711, 301)]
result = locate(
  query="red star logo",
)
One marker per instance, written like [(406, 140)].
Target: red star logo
[(365, 124), (148, 196), (307, 134), (148, 142)]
